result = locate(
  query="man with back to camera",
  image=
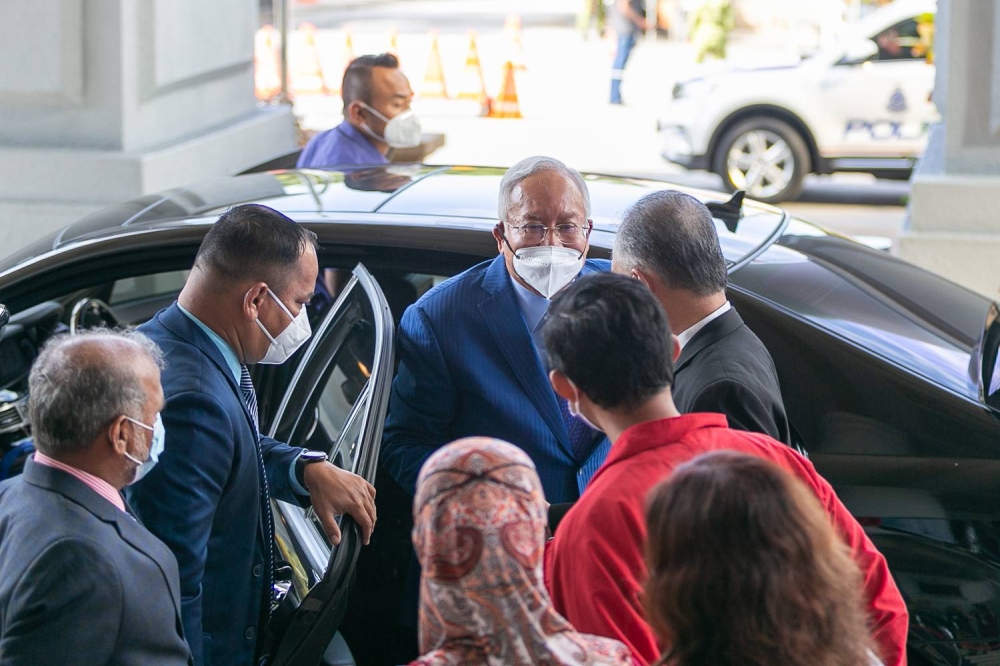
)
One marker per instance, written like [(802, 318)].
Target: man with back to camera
[(667, 240), (612, 357), (470, 350), (209, 498), (80, 579), (377, 116)]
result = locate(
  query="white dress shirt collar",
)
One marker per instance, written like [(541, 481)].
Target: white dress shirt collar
[(685, 336)]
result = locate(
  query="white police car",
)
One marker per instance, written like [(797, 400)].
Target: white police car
[(864, 106)]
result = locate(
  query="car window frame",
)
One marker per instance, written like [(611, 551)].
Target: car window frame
[(878, 59), (315, 621)]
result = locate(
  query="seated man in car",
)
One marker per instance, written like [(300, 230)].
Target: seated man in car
[(471, 360)]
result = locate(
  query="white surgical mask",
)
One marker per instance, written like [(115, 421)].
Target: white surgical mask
[(401, 131), (290, 339), (574, 409), (548, 268), (155, 447)]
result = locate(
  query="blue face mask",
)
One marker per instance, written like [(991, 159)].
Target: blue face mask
[(155, 448)]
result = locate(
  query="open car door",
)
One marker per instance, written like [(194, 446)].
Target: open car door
[(336, 403)]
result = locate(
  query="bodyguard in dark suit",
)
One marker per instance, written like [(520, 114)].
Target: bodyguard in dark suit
[(81, 581), (209, 498), (470, 350), (667, 240)]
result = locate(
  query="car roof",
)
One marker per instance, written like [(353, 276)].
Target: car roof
[(465, 195)]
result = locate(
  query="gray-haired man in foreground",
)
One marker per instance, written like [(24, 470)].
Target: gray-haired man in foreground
[(81, 581)]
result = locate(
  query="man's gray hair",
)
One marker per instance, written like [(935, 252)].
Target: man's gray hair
[(528, 167), (672, 236), (80, 383)]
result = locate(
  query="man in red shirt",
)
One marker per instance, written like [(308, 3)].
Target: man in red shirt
[(612, 358)]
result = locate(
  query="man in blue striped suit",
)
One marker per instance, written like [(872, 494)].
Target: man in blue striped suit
[(472, 361)]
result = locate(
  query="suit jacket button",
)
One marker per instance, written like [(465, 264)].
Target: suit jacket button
[(249, 633), (258, 570)]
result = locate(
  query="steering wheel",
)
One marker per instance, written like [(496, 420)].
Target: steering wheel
[(91, 313)]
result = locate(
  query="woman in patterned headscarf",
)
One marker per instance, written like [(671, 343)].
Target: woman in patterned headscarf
[(479, 532)]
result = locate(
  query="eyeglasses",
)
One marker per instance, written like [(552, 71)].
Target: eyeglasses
[(536, 233)]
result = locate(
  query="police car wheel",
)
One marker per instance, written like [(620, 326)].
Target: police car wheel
[(765, 157)]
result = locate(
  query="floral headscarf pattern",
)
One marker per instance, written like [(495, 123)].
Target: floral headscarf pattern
[(479, 532)]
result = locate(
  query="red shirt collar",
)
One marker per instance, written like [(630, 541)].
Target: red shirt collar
[(652, 434)]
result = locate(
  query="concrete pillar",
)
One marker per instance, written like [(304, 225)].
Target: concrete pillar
[(953, 221), (105, 100)]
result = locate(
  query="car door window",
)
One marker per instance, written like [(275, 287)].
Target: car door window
[(336, 403), (136, 299), (900, 42)]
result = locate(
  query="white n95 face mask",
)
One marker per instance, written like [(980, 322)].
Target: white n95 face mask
[(401, 131), (548, 268), (290, 339)]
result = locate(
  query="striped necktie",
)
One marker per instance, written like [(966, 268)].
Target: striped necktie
[(246, 385)]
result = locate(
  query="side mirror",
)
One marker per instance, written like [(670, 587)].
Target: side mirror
[(4, 318), (859, 52)]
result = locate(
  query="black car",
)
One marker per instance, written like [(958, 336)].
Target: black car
[(888, 374)]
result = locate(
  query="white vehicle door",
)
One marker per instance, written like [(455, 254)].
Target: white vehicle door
[(880, 108)]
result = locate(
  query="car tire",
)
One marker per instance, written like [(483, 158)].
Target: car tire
[(765, 157)]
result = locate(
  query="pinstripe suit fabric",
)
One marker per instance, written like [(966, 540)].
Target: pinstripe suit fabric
[(468, 367)]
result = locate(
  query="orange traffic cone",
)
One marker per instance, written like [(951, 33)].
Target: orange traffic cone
[(512, 33), (348, 52), (346, 58), (433, 86), (266, 70), (473, 86), (307, 73), (505, 105), (394, 43)]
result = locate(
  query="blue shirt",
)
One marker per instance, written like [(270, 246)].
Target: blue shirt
[(343, 145), (234, 366), (227, 352), (533, 308)]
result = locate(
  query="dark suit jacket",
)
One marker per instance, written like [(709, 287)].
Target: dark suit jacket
[(726, 368), (80, 581), (203, 499), (467, 366)]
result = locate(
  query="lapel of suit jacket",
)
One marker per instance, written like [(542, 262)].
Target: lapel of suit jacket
[(503, 317), (714, 331), (181, 326), (130, 529)]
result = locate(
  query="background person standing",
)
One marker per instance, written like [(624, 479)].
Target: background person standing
[(377, 117), (628, 19)]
